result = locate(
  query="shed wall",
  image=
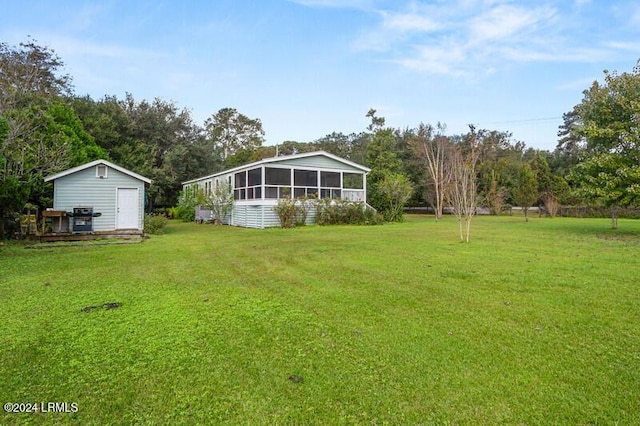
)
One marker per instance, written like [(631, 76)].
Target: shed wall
[(84, 189)]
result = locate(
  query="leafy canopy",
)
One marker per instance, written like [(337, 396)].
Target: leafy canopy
[(609, 130)]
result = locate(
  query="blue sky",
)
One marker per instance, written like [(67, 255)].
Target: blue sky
[(307, 68)]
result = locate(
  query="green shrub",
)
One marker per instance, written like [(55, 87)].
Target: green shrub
[(160, 211), (371, 217), (154, 224), (303, 207), (293, 212), (344, 212), (187, 202), (597, 212), (172, 212), (287, 212)]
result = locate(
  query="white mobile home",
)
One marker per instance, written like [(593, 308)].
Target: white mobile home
[(111, 195), (258, 186)]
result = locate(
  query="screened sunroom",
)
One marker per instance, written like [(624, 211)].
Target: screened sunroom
[(258, 186)]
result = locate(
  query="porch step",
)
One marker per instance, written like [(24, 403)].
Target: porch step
[(121, 235)]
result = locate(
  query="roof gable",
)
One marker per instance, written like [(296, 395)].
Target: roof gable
[(95, 163)]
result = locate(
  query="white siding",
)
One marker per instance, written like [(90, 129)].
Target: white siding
[(263, 215), (270, 217), (84, 189)]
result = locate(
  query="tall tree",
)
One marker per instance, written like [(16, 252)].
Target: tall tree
[(570, 140), (158, 131), (377, 123), (607, 125), (382, 160), (432, 151), (495, 195), (526, 191), (394, 191), (335, 143), (105, 119), (41, 139), (42, 133), (552, 188), (30, 71), (462, 192), (230, 131)]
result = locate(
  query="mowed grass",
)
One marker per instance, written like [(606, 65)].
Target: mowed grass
[(530, 323)]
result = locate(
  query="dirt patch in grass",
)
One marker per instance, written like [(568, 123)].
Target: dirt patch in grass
[(107, 306), (625, 238)]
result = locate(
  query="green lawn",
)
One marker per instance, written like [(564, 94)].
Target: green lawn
[(530, 323)]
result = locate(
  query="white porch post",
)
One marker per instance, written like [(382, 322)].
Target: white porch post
[(364, 186)]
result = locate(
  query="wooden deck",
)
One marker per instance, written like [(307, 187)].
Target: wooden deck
[(98, 235)]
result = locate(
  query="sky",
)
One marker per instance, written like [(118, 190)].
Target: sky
[(307, 68)]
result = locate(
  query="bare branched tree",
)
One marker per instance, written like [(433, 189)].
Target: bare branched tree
[(433, 151), (461, 193)]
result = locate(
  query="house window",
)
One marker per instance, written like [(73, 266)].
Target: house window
[(277, 183), (271, 192), (305, 183), (275, 192), (240, 185), (254, 177), (101, 171), (254, 182), (330, 179), (240, 180), (248, 184), (273, 176), (353, 181), (330, 185), (330, 193), (305, 178)]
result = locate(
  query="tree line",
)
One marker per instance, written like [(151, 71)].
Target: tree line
[(45, 128)]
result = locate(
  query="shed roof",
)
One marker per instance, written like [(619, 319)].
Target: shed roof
[(284, 158), (95, 163)]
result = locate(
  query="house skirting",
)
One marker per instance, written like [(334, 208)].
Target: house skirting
[(252, 215)]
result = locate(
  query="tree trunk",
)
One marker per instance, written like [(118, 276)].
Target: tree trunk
[(526, 214), (468, 226), (614, 217)]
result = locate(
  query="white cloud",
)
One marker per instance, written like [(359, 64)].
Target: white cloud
[(473, 37), (341, 4), (437, 60), (576, 85), (85, 16), (632, 46), (583, 55), (634, 16), (67, 47), (506, 21), (408, 22), (580, 3)]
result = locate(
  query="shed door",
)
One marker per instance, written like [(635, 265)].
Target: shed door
[(127, 208)]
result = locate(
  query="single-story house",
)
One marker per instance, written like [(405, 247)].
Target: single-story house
[(258, 186), (98, 196)]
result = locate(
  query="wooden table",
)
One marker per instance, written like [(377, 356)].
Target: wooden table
[(53, 213)]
